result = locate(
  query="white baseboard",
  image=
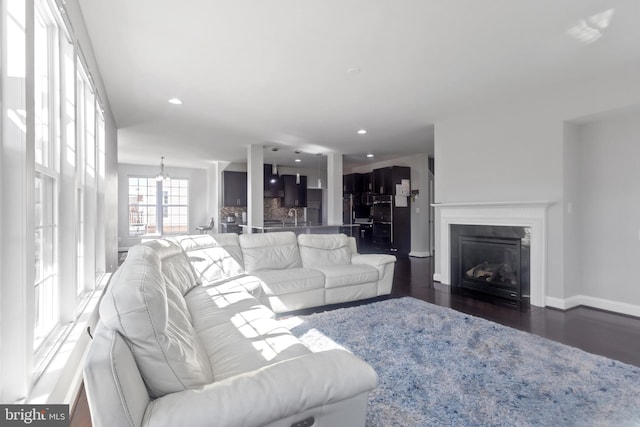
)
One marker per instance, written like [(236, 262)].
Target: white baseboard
[(436, 277), (600, 303), (419, 254), (555, 303)]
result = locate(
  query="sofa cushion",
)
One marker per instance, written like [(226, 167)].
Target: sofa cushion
[(269, 251), (175, 267), (324, 249), (151, 314), (291, 280), (238, 333), (246, 283), (345, 275), (213, 258)]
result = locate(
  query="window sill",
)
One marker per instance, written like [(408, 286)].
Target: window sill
[(61, 380)]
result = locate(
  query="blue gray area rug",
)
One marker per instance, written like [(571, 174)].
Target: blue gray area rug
[(440, 367)]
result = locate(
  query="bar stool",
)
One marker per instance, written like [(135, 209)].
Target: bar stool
[(203, 229)]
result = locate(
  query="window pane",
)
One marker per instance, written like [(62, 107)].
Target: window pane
[(141, 206), (45, 268), (175, 206), (41, 88)]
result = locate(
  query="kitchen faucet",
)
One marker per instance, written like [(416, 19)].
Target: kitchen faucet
[(294, 213)]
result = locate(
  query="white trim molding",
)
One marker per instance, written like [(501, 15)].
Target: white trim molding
[(418, 254), (532, 214), (599, 303)]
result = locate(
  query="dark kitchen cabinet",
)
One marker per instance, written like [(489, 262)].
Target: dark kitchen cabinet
[(272, 183), (367, 182), (385, 179), (295, 195), (234, 188), (352, 183)]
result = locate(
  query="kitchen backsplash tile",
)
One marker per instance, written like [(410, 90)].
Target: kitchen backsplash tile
[(272, 211)]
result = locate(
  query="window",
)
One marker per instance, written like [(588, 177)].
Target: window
[(142, 206), (45, 183), (158, 207), (86, 180), (54, 151), (175, 210)]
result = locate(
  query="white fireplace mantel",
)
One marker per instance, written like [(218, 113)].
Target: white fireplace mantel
[(532, 214)]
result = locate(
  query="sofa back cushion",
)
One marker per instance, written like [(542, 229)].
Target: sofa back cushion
[(146, 306), (213, 258), (324, 249), (175, 266), (270, 251)]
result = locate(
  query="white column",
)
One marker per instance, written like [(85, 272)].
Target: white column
[(255, 185), (214, 190), (334, 188)]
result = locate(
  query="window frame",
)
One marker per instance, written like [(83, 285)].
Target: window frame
[(156, 203), (47, 169)]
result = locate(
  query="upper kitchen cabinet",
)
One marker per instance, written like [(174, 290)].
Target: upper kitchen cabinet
[(295, 195), (234, 189), (386, 179), (352, 183), (367, 182), (272, 183)]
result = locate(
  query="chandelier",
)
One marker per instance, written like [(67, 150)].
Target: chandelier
[(162, 176)]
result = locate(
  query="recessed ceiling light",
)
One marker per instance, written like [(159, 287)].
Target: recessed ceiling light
[(370, 155), (175, 101), (362, 131), (298, 160)]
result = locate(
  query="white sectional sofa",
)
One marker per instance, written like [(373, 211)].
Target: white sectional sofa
[(183, 339), (287, 272)]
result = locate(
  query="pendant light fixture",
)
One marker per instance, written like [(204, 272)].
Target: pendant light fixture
[(274, 166), (319, 174), (162, 176), (297, 167)]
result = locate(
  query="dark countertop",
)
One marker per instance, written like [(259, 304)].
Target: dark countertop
[(292, 227)]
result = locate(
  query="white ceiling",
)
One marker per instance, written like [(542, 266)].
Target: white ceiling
[(306, 75)]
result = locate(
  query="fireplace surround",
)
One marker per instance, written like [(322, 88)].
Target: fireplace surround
[(530, 214)]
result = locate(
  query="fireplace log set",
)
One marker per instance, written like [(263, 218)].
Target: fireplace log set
[(493, 273)]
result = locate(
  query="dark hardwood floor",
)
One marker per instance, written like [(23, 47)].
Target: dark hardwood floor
[(608, 334)]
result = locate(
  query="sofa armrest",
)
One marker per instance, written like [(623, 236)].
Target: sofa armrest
[(385, 264), (374, 260), (268, 394)]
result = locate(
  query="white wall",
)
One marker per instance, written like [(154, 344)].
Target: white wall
[(573, 272), (514, 150), (609, 208), (199, 214)]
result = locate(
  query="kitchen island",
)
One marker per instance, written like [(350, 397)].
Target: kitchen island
[(301, 228)]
